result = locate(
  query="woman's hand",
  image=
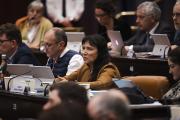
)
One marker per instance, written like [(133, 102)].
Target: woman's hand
[(60, 79)]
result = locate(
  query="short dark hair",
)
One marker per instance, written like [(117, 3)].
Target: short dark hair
[(12, 32), (103, 55), (65, 111), (174, 56), (71, 91), (60, 35), (107, 6)]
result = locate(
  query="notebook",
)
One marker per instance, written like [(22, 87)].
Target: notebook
[(116, 41), (74, 40)]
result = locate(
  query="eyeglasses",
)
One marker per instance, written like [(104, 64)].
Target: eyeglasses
[(2, 41), (176, 14), (48, 45)]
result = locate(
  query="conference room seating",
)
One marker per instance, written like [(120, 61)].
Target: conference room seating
[(155, 86)]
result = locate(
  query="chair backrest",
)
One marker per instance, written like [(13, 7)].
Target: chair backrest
[(155, 86)]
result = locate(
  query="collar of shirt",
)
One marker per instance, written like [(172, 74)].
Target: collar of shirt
[(154, 28), (64, 52), (10, 58)]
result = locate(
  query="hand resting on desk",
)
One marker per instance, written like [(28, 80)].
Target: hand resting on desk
[(60, 79)]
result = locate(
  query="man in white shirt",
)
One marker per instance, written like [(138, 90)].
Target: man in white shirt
[(61, 60), (73, 10)]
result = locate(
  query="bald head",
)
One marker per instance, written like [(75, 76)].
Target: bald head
[(112, 105)]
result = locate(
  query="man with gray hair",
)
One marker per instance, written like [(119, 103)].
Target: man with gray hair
[(111, 105), (176, 18), (148, 20), (61, 60)]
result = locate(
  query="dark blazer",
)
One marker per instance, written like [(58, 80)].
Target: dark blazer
[(119, 25), (139, 39), (24, 55), (177, 38)]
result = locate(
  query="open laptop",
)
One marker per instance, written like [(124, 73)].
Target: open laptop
[(74, 40), (19, 69), (160, 49), (43, 73), (161, 44), (116, 41)]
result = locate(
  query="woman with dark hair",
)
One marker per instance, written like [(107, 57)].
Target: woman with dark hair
[(97, 71), (105, 12), (174, 69)]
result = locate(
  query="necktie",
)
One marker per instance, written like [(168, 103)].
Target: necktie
[(177, 37), (64, 8), (147, 38)]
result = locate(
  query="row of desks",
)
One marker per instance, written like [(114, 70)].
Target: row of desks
[(14, 106), (130, 66)]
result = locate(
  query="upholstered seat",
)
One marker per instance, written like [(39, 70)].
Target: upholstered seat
[(154, 86)]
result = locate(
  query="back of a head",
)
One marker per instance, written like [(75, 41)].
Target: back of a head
[(12, 32), (151, 8), (71, 91), (65, 111), (110, 105), (107, 6)]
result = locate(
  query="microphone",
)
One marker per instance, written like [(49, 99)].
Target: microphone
[(3, 65), (8, 87)]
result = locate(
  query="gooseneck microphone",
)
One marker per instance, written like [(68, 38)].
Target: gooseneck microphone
[(8, 87)]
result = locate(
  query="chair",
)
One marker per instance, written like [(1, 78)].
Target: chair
[(155, 86)]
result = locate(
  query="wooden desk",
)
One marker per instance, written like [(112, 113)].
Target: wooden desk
[(141, 66), (13, 106)]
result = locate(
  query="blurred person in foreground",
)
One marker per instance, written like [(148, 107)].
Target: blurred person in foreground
[(65, 111), (110, 105), (97, 71), (66, 92)]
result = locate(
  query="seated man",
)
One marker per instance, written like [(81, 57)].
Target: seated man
[(61, 60), (11, 44), (148, 16), (66, 92), (34, 25), (176, 18)]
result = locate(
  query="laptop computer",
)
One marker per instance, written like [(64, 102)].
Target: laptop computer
[(74, 40), (19, 69), (43, 74), (116, 41), (160, 49), (161, 44)]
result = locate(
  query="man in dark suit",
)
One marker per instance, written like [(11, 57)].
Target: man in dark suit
[(11, 45), (176, 18), (148, 16)]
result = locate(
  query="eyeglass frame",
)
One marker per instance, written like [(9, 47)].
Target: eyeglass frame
[(2, 41)]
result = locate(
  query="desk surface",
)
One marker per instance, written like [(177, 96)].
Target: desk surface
[(19, 105), (26, 106), (141, 66)]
